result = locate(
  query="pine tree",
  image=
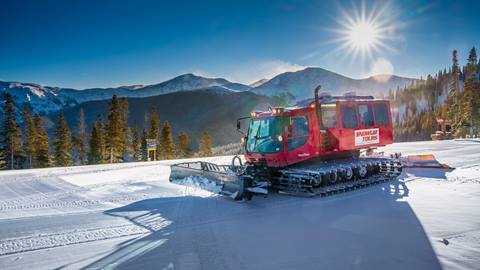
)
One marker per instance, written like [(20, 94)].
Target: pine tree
[(154, 128), (30, 136), (167, 148), (183, 146), (96, 153), (80, 140), (63, 143), (472, 59), (11, 135), (136, 145), (143, 146), (127, 133), (205, 145), (154, 124), (104, 131), (115, 131), (453, 96), (469, 99), (42, 153)]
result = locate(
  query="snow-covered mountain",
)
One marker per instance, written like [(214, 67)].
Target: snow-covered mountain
[(296, 85), (45, 99), (300, 84)]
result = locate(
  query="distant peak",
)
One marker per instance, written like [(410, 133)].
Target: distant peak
[(187, 76)]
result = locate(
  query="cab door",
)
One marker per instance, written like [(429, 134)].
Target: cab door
[(369, 132), (348, 123), (299, 136)]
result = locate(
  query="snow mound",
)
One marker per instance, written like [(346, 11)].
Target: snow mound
[(200, 183)]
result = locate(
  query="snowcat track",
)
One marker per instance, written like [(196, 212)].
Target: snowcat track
[(324, 179), (311, 181)]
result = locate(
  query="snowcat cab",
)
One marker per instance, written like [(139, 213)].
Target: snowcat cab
[(322, 128)]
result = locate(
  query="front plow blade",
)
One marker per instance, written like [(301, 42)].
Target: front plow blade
[(423, 161), (226, 180)]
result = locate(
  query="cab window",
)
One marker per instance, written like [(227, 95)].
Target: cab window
[(381, 114), (349, 116), (366, 115), (297, 132), (263, 133), (329, 116)]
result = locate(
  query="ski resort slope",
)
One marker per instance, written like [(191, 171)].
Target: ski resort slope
[(128, 216)]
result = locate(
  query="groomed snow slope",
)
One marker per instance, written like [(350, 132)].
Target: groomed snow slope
[(128, 216)]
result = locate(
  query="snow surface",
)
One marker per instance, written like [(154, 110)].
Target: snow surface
[(129, 216)]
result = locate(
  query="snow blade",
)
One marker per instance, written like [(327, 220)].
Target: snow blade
[(422, 161), (226, 179)]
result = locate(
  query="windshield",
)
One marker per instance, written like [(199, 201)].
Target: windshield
[(263, 135)]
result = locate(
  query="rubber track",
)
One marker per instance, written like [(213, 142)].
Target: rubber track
[(391, 173)]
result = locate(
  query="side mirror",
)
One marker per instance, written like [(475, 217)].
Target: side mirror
[(238, 125)]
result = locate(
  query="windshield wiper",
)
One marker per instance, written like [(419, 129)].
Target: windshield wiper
[(268, 138), (256, 138)]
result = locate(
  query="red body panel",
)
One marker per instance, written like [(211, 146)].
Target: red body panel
[(341, 140)]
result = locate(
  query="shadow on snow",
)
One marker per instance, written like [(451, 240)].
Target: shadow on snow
[(366, 229)]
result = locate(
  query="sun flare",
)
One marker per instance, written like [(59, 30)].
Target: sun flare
[(363, 35), (366, 33)]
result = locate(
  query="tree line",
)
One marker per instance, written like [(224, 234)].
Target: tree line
[(452, 95), (110, 140)]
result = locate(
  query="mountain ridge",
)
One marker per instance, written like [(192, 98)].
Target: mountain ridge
[(295, 86), (47, 99), (298, 85)]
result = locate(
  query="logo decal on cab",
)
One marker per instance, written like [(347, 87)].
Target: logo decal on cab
[(367, 136)]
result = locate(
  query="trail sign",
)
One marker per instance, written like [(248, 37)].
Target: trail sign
[(151, 149), (151, 144)]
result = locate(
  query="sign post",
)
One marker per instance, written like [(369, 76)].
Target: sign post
[(151, 149)]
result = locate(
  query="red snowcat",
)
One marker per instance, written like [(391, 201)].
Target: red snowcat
[(312, 148)]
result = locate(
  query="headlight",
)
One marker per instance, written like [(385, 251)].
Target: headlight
[(280, 138)]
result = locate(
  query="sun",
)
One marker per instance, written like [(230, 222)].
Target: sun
[(363, 35)]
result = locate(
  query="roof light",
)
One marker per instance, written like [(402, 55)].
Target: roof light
[(312, 105), (253, 114), (278, 110)]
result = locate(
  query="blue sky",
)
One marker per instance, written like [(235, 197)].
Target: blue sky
[(83, 44)]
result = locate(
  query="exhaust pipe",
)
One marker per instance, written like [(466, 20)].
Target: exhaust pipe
[(318, 110)]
